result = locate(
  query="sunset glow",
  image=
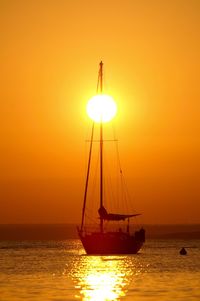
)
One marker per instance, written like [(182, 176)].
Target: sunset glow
[(50, 55), (101, 108)]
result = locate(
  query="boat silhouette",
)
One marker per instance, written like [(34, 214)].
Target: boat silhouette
[(102, 241)]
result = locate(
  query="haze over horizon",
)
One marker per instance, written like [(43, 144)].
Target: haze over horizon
[(49, 61)]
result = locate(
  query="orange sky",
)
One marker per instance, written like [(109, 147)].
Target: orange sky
[(50, 52)]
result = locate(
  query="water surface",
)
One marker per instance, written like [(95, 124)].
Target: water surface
[(60, 270)]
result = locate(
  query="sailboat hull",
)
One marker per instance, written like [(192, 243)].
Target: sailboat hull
[(110, 243)]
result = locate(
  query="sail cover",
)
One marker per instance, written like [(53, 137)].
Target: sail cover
[(112, 216)]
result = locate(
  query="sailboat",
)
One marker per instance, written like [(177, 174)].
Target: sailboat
[(102, 241)]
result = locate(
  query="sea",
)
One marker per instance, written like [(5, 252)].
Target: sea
[(60, 270)]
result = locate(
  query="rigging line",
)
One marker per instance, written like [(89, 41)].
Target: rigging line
[(87, 178), (86, 151), (127, 197), (126, 194), (109, 193), (123, 182), (117, 148), (119, 161), (119, 168), (124, 190), (89, 218), (99, 81), (94, 184)]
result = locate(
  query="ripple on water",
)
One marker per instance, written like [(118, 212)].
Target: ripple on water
[(59, 271)]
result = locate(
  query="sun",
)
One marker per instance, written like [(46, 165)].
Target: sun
[(101, 108)]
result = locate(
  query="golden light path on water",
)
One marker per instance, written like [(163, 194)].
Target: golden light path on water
[(99, 278)]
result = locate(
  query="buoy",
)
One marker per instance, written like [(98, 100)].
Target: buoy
[(183, 251)]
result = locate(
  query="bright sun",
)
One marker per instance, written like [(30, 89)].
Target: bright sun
[(101, 107)]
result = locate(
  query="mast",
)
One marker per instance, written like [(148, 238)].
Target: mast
[(101, 147), (99, 89)]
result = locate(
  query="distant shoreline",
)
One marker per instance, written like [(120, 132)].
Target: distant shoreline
[(16, 232)]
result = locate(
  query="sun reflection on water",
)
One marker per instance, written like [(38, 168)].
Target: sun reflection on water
[(101, 287), (101, 278)]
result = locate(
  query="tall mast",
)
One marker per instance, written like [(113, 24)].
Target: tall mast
[(99, 90), (101, 146)]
